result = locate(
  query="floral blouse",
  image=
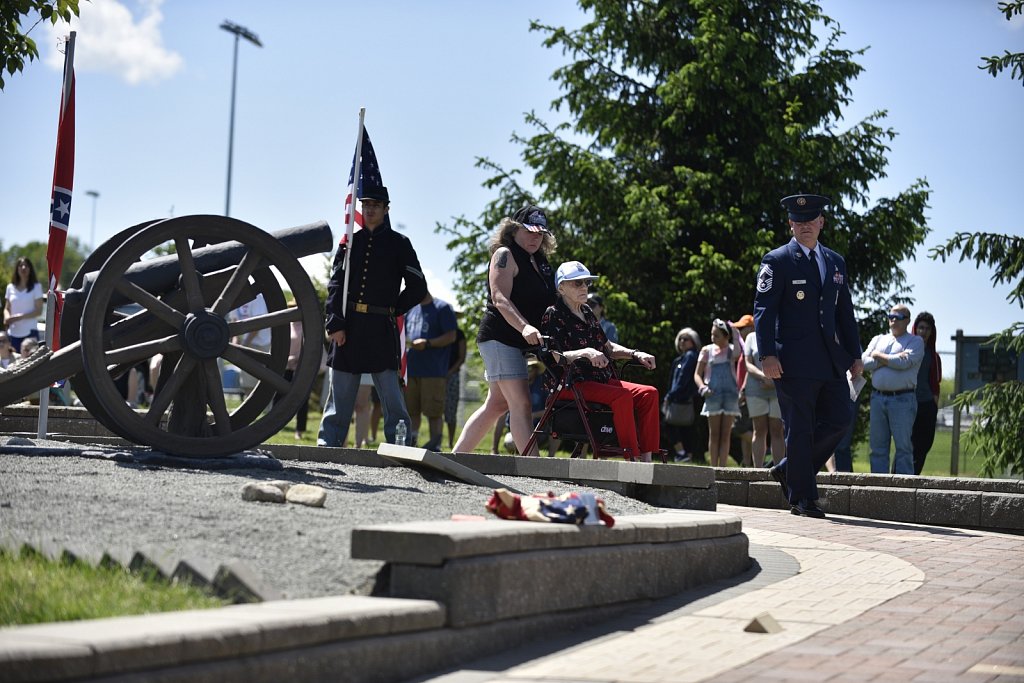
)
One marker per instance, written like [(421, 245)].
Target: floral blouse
[(568, 333)]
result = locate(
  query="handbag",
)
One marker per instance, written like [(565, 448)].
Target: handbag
[(679, 414)]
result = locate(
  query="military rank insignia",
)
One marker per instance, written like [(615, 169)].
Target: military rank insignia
[(764, 278)]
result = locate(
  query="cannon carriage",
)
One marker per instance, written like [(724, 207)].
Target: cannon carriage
[(127, 303)]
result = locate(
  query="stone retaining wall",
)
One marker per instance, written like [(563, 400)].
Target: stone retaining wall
[(498, 584)]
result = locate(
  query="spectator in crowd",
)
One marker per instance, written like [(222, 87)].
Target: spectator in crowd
[(683, 390), (893, 360), (520, 287), (364, 337), (258, 339), (929, 377), (842, 457), (743, 426), (715, 378), (431, 327), (763, 406), (807, 341), (452, 383), (7, 356), (576, 335), (294, 351), (596, 304), (23, 303)]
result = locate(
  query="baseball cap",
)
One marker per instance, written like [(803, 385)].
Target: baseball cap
[(572, 270), (746, 321), (532, 218)]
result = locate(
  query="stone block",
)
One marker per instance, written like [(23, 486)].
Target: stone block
[(834, 499), (690, 476), (1002, 511), (766, 494), (678, 497), (948, 508), (877, 502), (486, 463), (238, 583), (541, 468), (732, 492), (737, 473), (636, 472), (595, 470)]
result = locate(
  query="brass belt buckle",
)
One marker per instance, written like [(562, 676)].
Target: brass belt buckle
[(361, 308)]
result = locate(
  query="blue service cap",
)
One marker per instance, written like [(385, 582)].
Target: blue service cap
[(805, 207)]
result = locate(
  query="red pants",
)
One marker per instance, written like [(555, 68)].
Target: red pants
[(635, 409)]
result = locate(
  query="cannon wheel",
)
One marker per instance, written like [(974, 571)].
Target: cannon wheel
[(199, 336), (264, 282)]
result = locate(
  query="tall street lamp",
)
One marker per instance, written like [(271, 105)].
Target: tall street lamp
[(92, 234), (240, 32)]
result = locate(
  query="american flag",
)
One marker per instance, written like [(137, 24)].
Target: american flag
[(369, 173), (63, 181)]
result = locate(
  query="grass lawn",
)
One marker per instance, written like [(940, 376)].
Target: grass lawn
[(936, 465), (36, 590)]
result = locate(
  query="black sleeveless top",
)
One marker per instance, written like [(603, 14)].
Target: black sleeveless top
[(532, 293)]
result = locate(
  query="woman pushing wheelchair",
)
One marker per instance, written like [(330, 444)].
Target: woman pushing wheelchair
[(575, 334)]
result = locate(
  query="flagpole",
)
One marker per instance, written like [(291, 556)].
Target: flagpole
[(357, 167), (67, 93)]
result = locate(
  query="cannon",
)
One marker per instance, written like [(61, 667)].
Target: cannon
[(166, 287)]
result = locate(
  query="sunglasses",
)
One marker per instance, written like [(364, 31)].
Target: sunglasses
[(578, 283), (898, 316)]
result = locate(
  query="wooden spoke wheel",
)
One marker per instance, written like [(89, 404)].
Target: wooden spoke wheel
[(188, 323)]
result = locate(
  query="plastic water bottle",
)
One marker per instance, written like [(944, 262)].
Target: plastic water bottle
[(400, 433)]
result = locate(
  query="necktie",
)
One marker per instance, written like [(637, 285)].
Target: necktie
[(814, 262)]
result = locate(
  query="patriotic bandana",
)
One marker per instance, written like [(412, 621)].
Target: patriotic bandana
[(568, 508)]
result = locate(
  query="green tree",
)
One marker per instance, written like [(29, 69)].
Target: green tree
[(998, 428), (690, 119), (1014, 61), (997, 431), (15, 45)]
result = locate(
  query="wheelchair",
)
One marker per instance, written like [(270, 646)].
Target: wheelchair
[(576, 420)]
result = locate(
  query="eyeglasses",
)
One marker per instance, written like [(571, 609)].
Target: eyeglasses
[(898, 316)]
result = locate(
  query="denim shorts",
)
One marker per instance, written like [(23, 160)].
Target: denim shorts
[(502, 361), (721, 403)]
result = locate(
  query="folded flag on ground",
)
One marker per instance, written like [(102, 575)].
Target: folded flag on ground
[(568, 508)]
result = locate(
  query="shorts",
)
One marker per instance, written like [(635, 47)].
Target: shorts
[(366, 379), (502, 361), (760, 405), (721, 403), (425, 395)]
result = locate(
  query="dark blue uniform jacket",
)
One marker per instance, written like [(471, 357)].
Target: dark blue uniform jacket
[(807, 324)]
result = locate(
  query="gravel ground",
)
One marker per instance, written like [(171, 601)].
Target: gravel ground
[(95, 505)]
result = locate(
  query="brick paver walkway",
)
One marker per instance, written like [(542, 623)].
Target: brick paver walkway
[(857, 599)]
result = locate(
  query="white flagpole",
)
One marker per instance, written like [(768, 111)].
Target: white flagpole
[(357, 167), (51, 294)]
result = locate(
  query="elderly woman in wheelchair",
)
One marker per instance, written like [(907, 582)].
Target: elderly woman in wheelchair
[(575, 339)]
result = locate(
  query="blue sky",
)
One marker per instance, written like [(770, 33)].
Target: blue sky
[(444, 82)]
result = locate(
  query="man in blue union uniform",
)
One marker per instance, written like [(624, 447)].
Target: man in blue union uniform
[(807, 340)]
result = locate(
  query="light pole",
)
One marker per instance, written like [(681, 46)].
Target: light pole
[(92, 234), (240, 32)]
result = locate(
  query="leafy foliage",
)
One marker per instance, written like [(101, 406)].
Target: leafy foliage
[(15, 45), (689, 120), (998, 429), (1014, 61)]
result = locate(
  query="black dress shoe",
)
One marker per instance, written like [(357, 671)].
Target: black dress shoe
[(807, 508), (779, 475)]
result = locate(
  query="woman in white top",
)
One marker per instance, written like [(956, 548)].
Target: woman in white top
[(23, 303), (716, 381)]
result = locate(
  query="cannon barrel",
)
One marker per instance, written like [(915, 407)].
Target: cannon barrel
[(160, 275)]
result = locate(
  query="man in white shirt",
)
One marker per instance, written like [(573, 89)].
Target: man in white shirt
[(893, 360)]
